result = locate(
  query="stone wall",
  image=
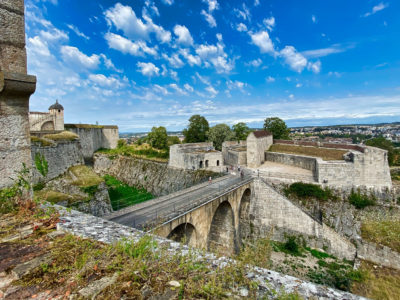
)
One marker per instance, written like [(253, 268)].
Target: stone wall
[(15, 90), (379, 254), (304, 162), (270, 210), (156, 177), (256, 147), (234, 153), (94, 137), (60, 157)]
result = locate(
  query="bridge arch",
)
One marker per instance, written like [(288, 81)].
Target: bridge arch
[(47, 126), (184, 233), (244, 216), (221, 237)]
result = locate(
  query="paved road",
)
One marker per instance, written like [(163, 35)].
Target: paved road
[(175, 203)]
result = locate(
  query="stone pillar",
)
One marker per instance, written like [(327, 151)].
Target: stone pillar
[(15, 89)]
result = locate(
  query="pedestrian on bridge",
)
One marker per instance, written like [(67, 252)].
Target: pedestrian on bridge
[(210, 180)]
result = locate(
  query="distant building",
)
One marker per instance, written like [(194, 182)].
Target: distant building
[(48, 121)]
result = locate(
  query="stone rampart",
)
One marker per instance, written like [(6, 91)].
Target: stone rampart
[(379, 254), (59, 156), (94, 137), (234, 153), (156, 177), (304, 162), (257, 143), (273, 212)]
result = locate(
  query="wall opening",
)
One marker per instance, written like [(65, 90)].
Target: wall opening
[(221, 238), (184, 233), (47, 126), (217, 163), (206, 163), (201, 164), (245, 228)]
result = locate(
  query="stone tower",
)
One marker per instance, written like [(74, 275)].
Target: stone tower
[(15, 89), (57, 110)]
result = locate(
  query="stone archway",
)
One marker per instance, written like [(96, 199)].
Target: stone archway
[(184, 233), (221, 238), (47, 126), (245, 229)]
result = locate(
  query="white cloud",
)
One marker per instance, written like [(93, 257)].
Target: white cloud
[(53, 35), (376, 8), (77, 31), (168, 2), (209, 18), (256, 2), (174, 60), (203, 79), (314, 19), (183, 34), (76, 57), (244, 13), (188, 87), (299, 85), (294, 59), (124, 45), (105, 81), (124, 18), (314, 67), (109, 64), (270, 79), (262, 40), (231, 85), (255, 63), (36, 45), (270, 23), (192, 59), (241, 27), (212, 5), (212, 91), (215, 55), (151, 5), (179, 90), (161, 90), (316, 53), (148, 69)]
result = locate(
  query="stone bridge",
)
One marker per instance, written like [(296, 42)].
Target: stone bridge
[(213, 216)]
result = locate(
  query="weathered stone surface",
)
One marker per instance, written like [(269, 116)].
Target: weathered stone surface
[(25, 268), (156, 177), (96, 287), (106, 231)]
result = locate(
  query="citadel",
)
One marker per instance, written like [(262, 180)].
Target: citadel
[(212, 200)]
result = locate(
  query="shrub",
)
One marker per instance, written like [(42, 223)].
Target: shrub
[(121, 143), (291, 245), (41, 164), (361, 201), (308, 190)]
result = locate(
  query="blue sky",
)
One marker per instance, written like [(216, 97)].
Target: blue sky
[(144, 63)]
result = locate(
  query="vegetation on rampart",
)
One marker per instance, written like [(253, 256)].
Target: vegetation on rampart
[(123, 195), (308, 190), (361, 200), (84, 176), (89, 126), (62, 136), (41, 141), (144, 151), (324, 153)]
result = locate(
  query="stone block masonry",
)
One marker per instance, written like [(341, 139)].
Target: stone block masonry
[(15, 89)]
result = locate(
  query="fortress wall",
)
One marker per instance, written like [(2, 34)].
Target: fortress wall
[(256, 148), (304, 162), (270, 211), (59, 157), (234, 158), (15, 89), (156, 177), (94, 137)]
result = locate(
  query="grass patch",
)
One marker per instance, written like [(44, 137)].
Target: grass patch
[(383, 231), (57, 197), (123, 195), (41, 141), (291, 246), (308, 190), (62, 136), (144, 151), (361, 201), (324, 153), (84, 176), (381, 283), (319, 254), (257, 253)]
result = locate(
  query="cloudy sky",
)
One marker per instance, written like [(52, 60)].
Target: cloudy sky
[(144, 63)]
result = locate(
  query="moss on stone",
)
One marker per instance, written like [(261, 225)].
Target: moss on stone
[(43, 142), (62, 136), (84, 176), (57, 197)]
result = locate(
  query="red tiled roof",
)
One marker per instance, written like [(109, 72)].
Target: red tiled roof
[(261, 133)]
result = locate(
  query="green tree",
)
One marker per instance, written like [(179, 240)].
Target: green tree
[(158, 137), (196, 131), (382, 143), (172, 140), (277, 127), (241, 131), (219, 134)]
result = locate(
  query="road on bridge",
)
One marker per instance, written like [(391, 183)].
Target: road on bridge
[(166, 207)]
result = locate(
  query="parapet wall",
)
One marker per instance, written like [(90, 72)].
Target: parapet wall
[(234, 153), (60, 157), (94, 137), (304, 162)]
